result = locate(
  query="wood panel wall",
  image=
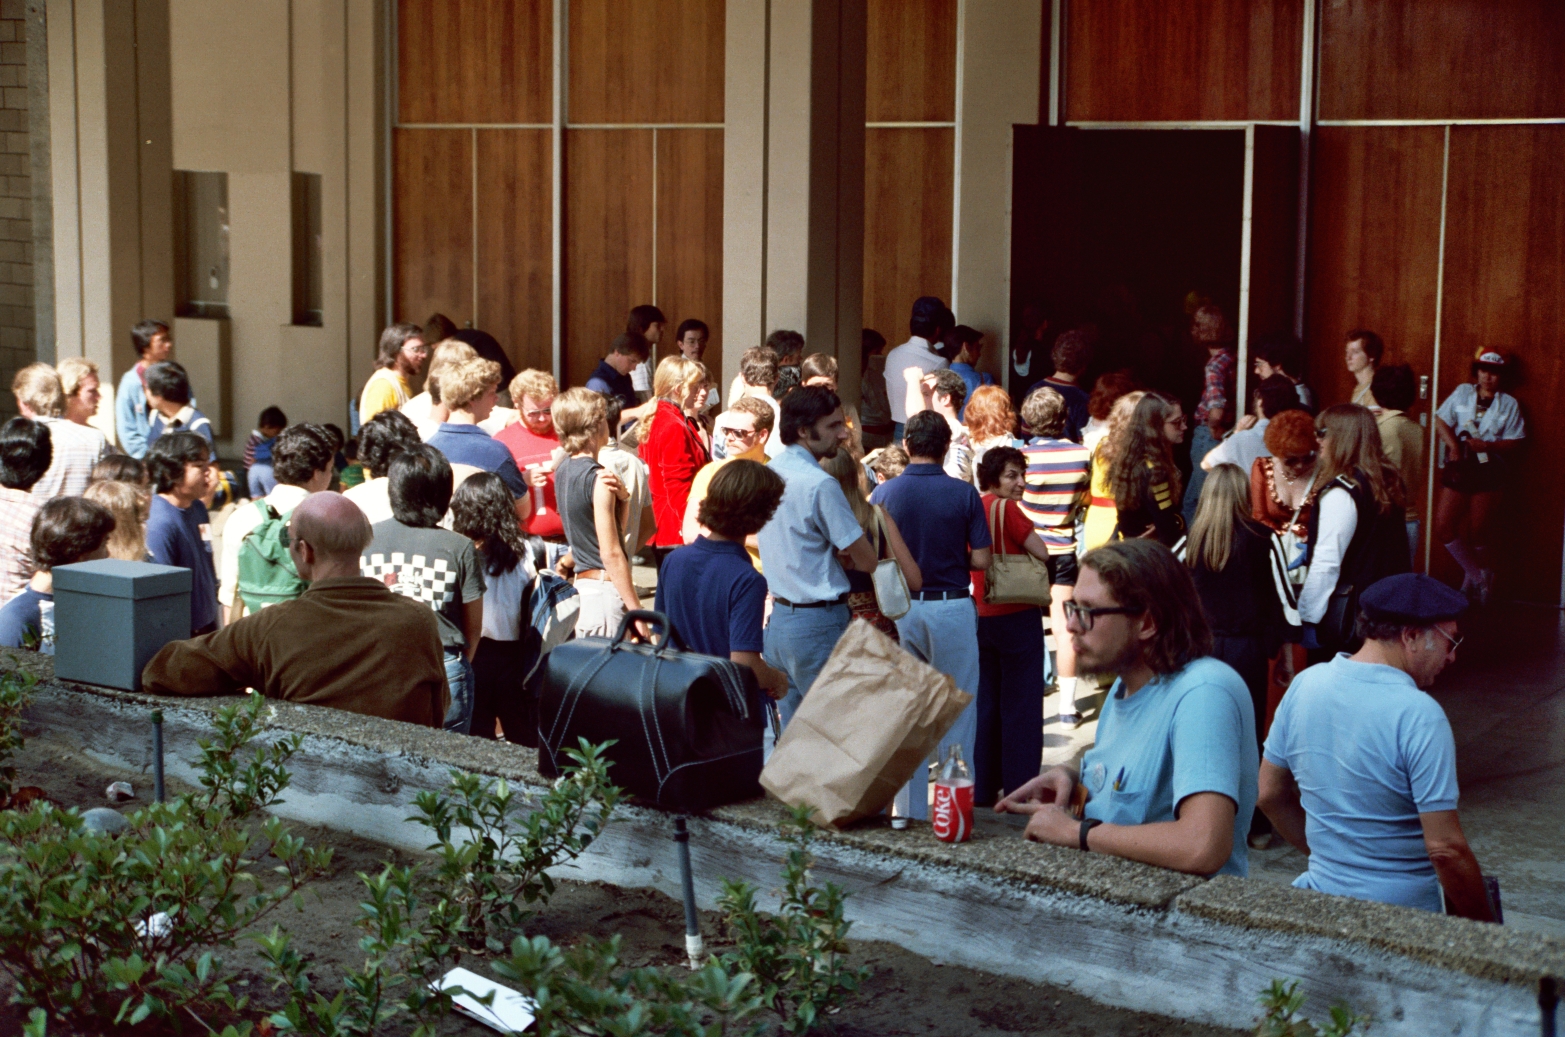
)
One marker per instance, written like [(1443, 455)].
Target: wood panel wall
[(644, 61), (474, 61), (1504, 265), (1442, 59), (433, 224), (514, 246), (909, 172), (1179, 60)]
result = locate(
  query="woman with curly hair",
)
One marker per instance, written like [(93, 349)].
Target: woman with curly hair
[(990, 418), (1102, 515), (1143, 478), (673, 446), (482, 510), (1105, 393), (1282, 486), (1357, 535)]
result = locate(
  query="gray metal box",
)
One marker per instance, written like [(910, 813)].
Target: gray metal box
[(111, 617)]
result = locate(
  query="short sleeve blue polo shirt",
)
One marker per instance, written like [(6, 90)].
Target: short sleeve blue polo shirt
[(471, 445), (1370, 752), (811, 524), (940, 519), (714, 598)]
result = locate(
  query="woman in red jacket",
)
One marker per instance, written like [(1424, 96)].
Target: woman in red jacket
[(673, 448)]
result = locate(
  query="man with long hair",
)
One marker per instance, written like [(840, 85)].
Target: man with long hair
[(398, 360), (1176, 759)]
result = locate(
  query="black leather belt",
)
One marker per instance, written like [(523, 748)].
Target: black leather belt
[(811, 604), (942, 595)]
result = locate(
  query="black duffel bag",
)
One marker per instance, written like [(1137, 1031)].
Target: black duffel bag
[(686, 730)]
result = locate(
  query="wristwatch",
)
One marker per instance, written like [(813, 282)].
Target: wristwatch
[(1087, 825)]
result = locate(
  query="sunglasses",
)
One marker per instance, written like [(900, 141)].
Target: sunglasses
[(1085, 617)]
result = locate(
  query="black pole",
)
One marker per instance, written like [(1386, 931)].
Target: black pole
[(1548, 1003), (694, 946), (157, 755)]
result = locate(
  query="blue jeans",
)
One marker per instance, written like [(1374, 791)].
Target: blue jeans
[(459, 679), (798, 642), (1412, 542), (1009, 739), (897, 428), (1201, 443), (944, 634), (261, 480)]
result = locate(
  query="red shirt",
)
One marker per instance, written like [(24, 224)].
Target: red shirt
[(673, 453), (527, 448), (1016, 528)]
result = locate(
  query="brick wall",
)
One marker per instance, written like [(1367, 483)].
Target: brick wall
[(17, 348)]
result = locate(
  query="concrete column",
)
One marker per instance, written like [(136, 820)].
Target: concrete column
[(998, 62), (793, 201), (112, 174)]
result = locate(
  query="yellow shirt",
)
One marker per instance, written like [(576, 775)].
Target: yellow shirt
[(1102, 515), (386, 390), (1402, 439), (703, 480)]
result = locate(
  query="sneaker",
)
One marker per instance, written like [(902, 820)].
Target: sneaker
[(1070, 719)]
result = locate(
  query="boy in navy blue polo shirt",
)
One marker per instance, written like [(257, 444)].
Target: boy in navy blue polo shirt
[(468, 390), (178, 530), (942, 521), (710, 591)]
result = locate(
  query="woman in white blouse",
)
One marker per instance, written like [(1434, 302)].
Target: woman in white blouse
[(1479, 428)]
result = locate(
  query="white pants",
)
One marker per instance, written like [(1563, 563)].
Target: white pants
[(601, 609)]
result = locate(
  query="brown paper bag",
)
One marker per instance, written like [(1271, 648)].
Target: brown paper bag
[(868, 723)]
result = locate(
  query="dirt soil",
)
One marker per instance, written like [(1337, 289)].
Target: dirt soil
[(905, 994)]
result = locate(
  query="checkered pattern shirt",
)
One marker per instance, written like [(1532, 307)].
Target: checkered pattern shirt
[(17, 508), (1218, 387), (77, 448), (434, 566)]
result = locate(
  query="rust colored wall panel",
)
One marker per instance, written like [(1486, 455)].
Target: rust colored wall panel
[(475, 60), (1504, 264), (515, 243), (643, 61), (1442, 59), (1374, 252), (432, 224), (910, 61), (608, 240), (1183, 60), (690, 237), (907, 223)]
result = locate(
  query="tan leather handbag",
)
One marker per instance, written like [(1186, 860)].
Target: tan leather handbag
[(1013, 579)]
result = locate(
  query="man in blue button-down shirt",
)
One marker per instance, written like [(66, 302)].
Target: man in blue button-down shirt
[(804, 546), (132, 422)]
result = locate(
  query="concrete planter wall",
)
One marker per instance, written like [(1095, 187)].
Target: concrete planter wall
[(1122, 933)]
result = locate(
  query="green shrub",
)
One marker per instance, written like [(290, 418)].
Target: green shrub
[(1283, 1003), (799, 956), (16, 690), (101, 929), (498, 868)]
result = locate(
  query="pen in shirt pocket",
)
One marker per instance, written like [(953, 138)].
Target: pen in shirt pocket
[(1119, 780)]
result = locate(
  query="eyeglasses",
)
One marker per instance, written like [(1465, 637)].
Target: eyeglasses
[(1084, 617), (1456, 642), (1301, 461), (540, 414), (422, 349), (1179, 422), (740, 433)]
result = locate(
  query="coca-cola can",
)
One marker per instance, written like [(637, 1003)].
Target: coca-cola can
[(953, 816)]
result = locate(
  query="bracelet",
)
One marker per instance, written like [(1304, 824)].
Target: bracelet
[(1087, 825)]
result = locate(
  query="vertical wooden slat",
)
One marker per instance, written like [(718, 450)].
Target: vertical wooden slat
[(1183, 59), (1442, 59), (1504, 264), (432, 224), (690, 236), (514, 276), (474, 60), (907, 224), (910, 61), (634, 61), (608, 240)]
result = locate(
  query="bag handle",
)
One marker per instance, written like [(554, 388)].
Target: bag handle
[(883, 542), (656, 620), (994, 528)]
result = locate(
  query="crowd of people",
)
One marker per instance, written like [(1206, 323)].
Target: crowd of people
[(1194, 560)]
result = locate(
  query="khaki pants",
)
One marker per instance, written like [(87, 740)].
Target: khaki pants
[(601, 609)]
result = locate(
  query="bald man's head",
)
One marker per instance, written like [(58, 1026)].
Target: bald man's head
[(333, 525)]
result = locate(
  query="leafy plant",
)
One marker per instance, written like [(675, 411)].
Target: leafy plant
[(16, 690), (499, 865), (405, 955), (1284, 1002), (99, 928), (798, 956), (583, 991)]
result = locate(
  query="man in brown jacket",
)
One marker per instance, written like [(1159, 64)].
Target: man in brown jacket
[(348, 641)]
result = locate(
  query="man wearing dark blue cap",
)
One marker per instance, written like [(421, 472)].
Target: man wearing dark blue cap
[(1359, 770), (930, 321)]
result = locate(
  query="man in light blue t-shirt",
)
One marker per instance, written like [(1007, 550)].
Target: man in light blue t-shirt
[(1175, 761), (1360, 765)]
